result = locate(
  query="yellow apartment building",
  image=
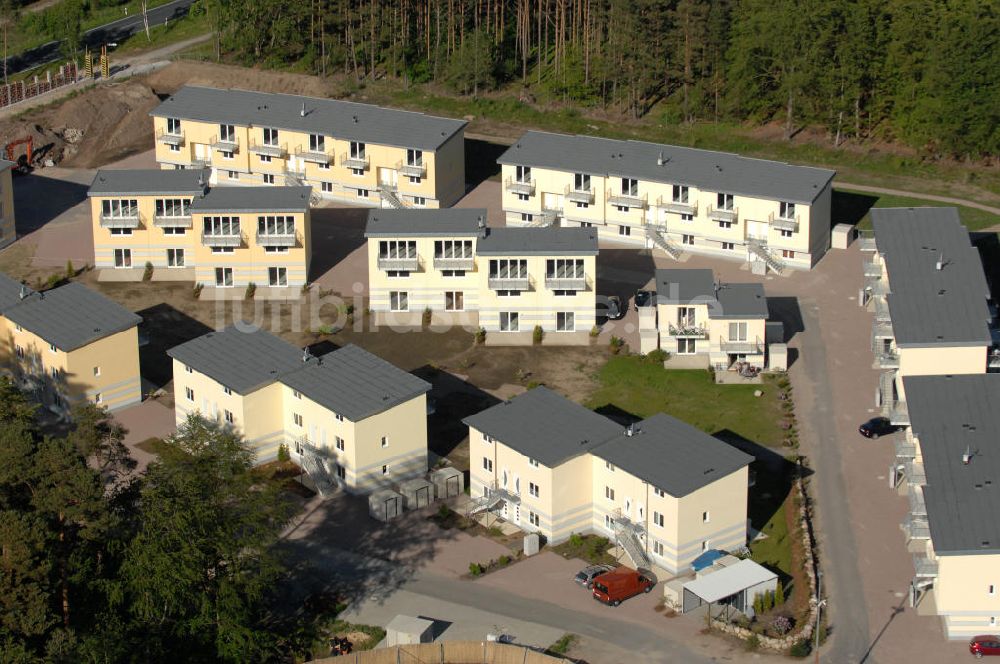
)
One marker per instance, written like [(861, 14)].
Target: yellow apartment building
[(702, 322), (424, 259), (350, 418), (662, 490), (345, 151), (218, 237), (925, 284), (951, 449), (770, 214), (70, 344), (8, 227)]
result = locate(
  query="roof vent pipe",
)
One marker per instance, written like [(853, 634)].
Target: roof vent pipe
[(659, 160), (24, 292), (306, 355), (940, 262), (966, 456), (303, 111), (630, 430)]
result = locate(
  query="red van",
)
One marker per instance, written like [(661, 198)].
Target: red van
[(617, 586)]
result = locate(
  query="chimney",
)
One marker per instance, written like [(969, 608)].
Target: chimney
[(24, 292), (630, 430), (659, 160), (306, 355), (966, 456), (940, 262), (302, 113)]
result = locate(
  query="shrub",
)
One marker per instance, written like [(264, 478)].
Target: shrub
[(595, 331), (426, 319), (503, 561), (758, 604), (658, 356), (532, 384), (283, 455), (576, 540), (481, 336), (475, 569), (147, 274), (197, 290), (537, 334), (801, 648), (779, 594), (251, 289), (443, 512), (53, 281), (616, 344), (753, 643), (326, 329), (781, 625), (70, 272)]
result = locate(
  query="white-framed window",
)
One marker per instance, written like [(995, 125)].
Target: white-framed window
[(565, 321), (297, 419), (174, 126), (508, 293), (706, 517), (339, 443), (123, 258), (687, 239), (583, 205), (522, 173), (226, 226), (686, 346), (399, 301), (170, 208), (738, 331), (786, 210), (609, 523), (317, 143), (268, 178), (97, 371), (357, 150), (454, 301), (622, 208), (991, 590), (786, 233), (523, 197), (488, 464), (487, 439), (276, 225), (121, 231), (296, 394), (609, 493), (226, 390), (189, 394), (227, 133), (564, 293), (533, 462), (706, 545), (397, 274), (223, 277), (509, 321), (226, 154), (326, 187), (680, 193), (176, 148), (275, 250), (725, 225), (362, 193), (533, 489), (188, 369), (728, 246), (338, 417), (609, 466), (630, 187), (787, 253), (419, 201), (175, 258), (658, 519), (660, 493), (533, 519), (265, 158), (724, 201), (385, 441), (324, 166), (277, 276), (526, 217), (581, 182), (508, 268), (174, 230), (223, 250), (452, 273), (687, 217), (414, 157), (385, 470), (657, 548), (270, 136), (228, 414), (341, 472), (625, 231), (233, 175)]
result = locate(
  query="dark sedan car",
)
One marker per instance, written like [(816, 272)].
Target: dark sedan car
[(614, 308), (644, 298), (877, 426)]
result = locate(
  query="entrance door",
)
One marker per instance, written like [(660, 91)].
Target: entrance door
[(552, 201), (200, 152), (757, 230), (388, 176), (297, 165)]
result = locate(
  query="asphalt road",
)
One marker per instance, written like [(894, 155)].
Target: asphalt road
[(94, 38)]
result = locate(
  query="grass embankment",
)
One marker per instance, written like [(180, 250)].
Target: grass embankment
[(851, 205)]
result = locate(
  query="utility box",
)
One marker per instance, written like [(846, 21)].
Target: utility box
[(417, 493), (777, 357), (448, 482), (385, 505), (649, 340), (531, 544), (407, 630), (841, 236)]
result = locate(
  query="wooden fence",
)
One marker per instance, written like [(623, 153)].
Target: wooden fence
[(21, 90), (446, 652)]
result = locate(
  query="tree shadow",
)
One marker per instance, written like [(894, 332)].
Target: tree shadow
[(622, 272), (162, 328), (336, 233), (848, 207), (454, 399), (481, 161), (988, 245), (39, 199), (616, 414)]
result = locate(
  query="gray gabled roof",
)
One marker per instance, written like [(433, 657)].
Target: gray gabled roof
[(545, 241), (544, 425), (952, 415), (704, 169), (10, 292), (331, 117), (253, 199), (354, 383), (410, 222), (244, 358), (149, 181), (672, 455), (697, 286), (71, 316), (928, 306)]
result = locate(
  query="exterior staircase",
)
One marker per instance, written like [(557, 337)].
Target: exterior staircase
[(390, 196), (660, 240), (483, 504), (315, 468), (759, 249), (627, 533), (293, 179), (545, 219)]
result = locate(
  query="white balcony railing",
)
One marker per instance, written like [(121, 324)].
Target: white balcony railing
[(400, 263), (221, 240), (170, 137), (266, 239), (626, 200), (553, 282), (677, 207), (273, 150), (688, 331), (315, 156), (172, 221), (411, 170), (520, 186), (723, 214), (224, 144), (575, 195), (454, 262), (123, 221), (784, 223), (508, 283), (354, 163), (742, 347)]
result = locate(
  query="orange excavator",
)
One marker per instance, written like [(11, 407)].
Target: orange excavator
[(24, 161)]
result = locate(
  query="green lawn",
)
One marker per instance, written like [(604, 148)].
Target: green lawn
[(775, 550), (852, 206), (164, 35), (642, 388)]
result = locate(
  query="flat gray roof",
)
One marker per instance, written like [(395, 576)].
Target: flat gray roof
[(354, 383), (71, 316), (253, 199), (243, 358), (697, 286), (550, 241), (148, 181), (730, 580), (330, 117), (952, 415), (445, 222), (10, 292), (672, 455), (928, 306), (544, 425), (704, 169)]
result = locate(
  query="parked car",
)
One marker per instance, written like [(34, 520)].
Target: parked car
[(644, 298), (614, 309), (985, 644), (615, 587), (586, 576), (877, 426)]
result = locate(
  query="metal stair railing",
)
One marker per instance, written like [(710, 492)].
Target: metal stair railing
[(662, 242), (390, 196), (759, 249)]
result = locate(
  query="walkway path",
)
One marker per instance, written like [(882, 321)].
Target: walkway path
[(913, 194)]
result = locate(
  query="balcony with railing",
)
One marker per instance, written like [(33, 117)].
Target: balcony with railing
[(508, 282), (677, 207), (723, 214), (275, 238), (783, 223), (574, 195), (918, 508), (355, 163), (455, 261), (916, 529), (887, 360), (222, 239), (224, 144), (741, 347), (170, 137), (915, 474), (172, 221), (866, 241), (273, 150), (924, 567), (525, 187), (882, 331), (317, 155), (201, 162), (904, 449), (566, 282), (872, 267), (418, 170), (688, 331), (882, 314), (126, 220), (622, 199), (399, 262)]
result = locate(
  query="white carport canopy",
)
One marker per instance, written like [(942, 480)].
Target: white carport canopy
[(727, 582)]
